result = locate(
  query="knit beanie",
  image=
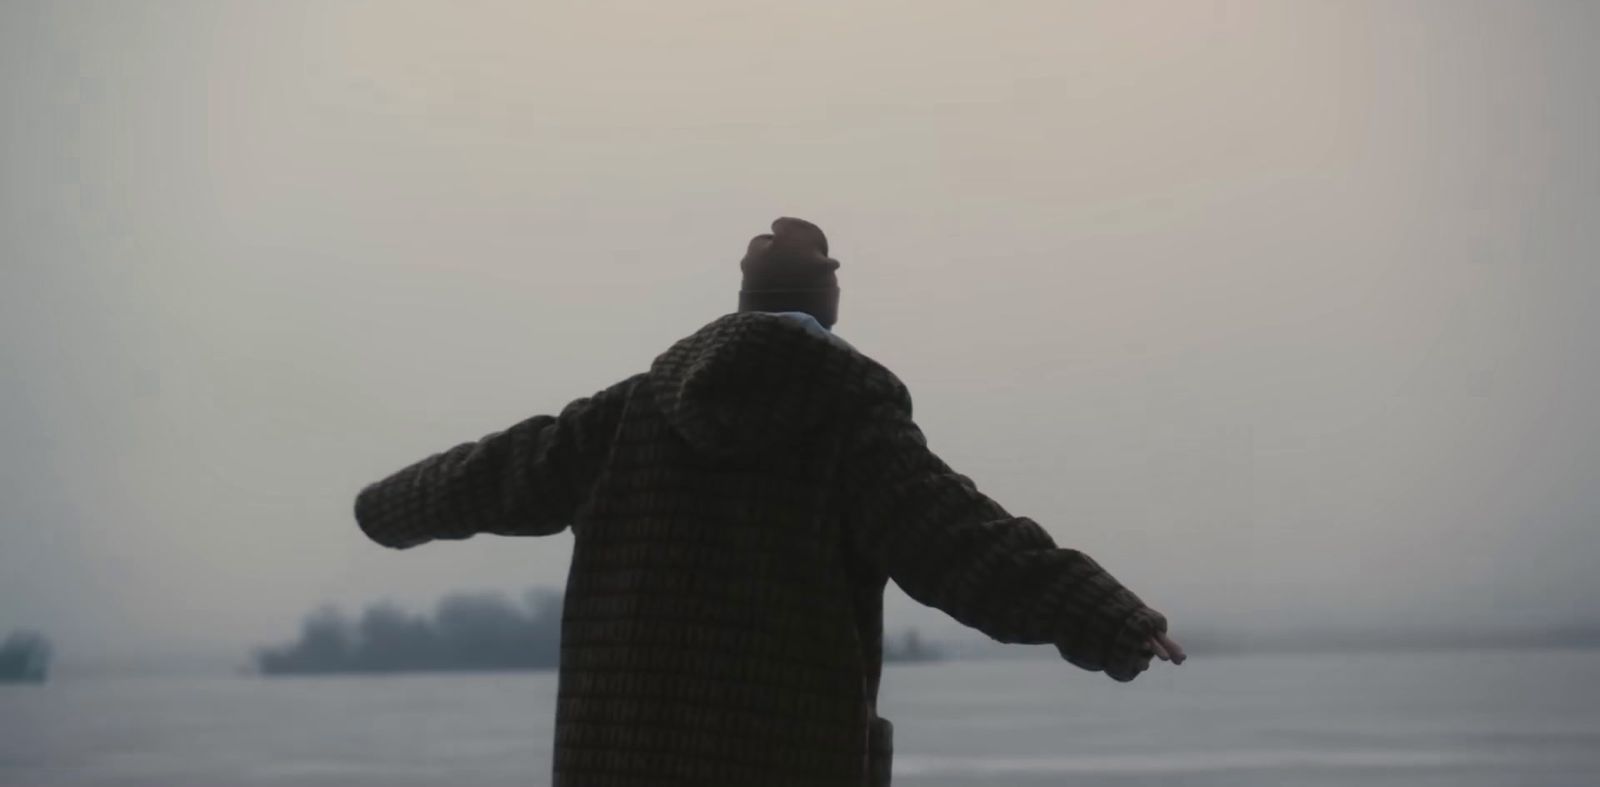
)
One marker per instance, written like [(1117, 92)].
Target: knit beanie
[(789, 270)]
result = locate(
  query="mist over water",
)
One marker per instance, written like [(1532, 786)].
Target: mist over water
[(1283, 311), (1279, 310)]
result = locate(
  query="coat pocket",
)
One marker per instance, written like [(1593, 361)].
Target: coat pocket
[(880, 752)]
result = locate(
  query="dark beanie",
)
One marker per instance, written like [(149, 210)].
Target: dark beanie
[(790, 271)]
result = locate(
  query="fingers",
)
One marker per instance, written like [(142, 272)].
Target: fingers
[(1165, 649), (1173, 650), (1160, 648)]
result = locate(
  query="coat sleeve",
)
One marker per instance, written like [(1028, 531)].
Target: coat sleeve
[(949, 546), (527, 480)]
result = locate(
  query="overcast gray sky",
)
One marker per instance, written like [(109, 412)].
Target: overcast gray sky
[(1283, 311)]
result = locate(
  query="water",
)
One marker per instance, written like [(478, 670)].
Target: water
[(1468, 719)]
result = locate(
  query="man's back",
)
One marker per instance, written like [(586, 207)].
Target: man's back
[(711, 618)]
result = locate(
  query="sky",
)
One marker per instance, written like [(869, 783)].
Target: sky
[(1282, 310)]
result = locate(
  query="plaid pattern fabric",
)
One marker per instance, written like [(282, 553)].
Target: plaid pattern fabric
[(737, 511)]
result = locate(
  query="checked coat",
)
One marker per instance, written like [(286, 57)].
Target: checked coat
[(737, 511)]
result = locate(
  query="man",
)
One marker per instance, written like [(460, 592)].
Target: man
[(738, 510)]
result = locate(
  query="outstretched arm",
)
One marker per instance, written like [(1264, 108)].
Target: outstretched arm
[(526, 480), (951, 547)]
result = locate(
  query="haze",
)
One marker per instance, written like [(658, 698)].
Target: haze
[(1282, 311)]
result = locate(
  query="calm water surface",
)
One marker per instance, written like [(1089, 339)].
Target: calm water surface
[(1470, 719)]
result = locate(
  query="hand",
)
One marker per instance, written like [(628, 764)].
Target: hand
[(1167, 650)]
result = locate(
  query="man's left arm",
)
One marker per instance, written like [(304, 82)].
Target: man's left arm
[(527, 480)]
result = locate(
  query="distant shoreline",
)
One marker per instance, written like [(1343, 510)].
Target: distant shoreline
[(224, 666), (909, 650), (1224, 643), (1349, 641), (941, 653)]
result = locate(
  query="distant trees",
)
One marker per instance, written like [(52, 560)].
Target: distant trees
[(909, 647), (24, 657), (466, 632)]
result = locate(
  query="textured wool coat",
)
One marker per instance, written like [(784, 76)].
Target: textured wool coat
[(737, 511)]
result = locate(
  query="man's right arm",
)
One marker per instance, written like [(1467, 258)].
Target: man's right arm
[(527, 480), (951, 547)]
